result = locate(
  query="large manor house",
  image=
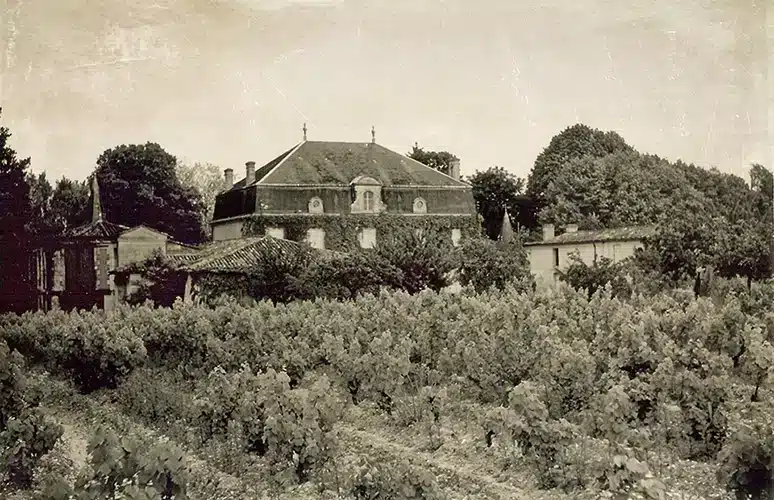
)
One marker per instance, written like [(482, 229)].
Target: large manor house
[(335, 196)]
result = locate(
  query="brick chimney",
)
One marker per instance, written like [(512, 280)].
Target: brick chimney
[(96, 204), (548, 232), (249, 173), (454, 169), (229, 176), (572, 228)]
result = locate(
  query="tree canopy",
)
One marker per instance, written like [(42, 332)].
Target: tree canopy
[(15, 216), (496, 190), (439, 160), (139, 185), (207, 179), (573, 143)]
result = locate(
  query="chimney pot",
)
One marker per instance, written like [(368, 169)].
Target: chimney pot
[(454, 169), (249, 173), (229, 176), (548, 232), (572, 228)]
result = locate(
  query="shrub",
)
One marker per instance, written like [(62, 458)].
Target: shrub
[(484, 264), (393, 481), (424, 259)]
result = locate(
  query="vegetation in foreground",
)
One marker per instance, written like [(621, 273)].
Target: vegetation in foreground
[(551, 392)]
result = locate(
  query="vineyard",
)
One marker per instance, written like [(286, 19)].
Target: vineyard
[(507, 395)]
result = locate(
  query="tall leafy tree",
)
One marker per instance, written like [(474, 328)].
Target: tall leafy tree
[(439, 160), (207, 179), (496, 190), (139, 185), (70, 204), (15, 215), (572, 143)]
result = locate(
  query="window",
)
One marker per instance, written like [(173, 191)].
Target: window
[(616, 252), (556, 257), (456, 235), (367, 237), (368, 201), (316, 237), (420, 207), (276, 232)]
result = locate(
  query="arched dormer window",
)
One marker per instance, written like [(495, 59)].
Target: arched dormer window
[(367, 196), (420, 206), (368, 201), (316, 206)]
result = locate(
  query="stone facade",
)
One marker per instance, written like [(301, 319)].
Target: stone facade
[(339, 179), (552, 254)]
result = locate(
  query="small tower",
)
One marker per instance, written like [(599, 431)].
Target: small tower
[(506, 233), (304, 129)]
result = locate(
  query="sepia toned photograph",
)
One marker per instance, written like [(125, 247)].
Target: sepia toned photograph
[(386, 250)]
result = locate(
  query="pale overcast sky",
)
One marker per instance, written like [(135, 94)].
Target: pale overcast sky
[(227, 81)]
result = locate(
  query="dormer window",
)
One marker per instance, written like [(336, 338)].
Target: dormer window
[(368, 201), (367, 193)]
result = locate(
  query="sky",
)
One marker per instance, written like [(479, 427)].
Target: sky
[(492, 81)]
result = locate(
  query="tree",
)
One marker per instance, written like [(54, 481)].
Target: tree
[(496, 190), (572, 143), (207, 179), (70, 205), (139, 185), (439, 160), (15, 215), (41, 223), (485, 265)]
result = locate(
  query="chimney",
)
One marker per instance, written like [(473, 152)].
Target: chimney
[(572, 228), (454, 169), (229, 175), (249, 173), (548, 232)]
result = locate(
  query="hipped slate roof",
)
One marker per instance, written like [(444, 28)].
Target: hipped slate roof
[(239, 255), (98, 230), (338, 163), (613, 234)]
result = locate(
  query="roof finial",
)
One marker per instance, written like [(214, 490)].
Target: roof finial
[(373, 135), (304, 131)]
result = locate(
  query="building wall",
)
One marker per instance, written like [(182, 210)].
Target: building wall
[(230, 230), (138, 244), (542, 257)]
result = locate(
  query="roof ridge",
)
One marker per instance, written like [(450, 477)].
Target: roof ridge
[(278, 165)]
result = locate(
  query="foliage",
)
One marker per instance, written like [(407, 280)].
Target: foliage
[(274, 273), (25, 435), (139, 185), (393, 481), (424, 259), (601, 272), (122, 469), (347, 276), (162, 281), (439, 160), (291, 427), (15, 214), (97, 351), (747, 458), (495, 191), (572, 143), (205, 178), (341, 232), (485, 264)]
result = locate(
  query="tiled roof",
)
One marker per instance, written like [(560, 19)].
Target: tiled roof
[(613, 234), (100, 229), (338, 163), (238, 255)]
